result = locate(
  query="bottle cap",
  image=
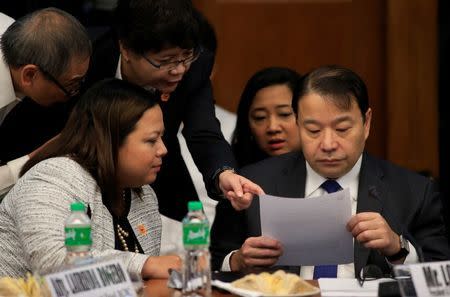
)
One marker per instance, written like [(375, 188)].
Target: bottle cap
[(77, 206), (194, 205)]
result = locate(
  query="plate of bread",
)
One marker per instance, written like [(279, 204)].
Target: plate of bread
[(276, 284)]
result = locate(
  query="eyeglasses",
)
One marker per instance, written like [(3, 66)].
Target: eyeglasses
[(170, 65), (70, 90), (370, 273), (363, 279)]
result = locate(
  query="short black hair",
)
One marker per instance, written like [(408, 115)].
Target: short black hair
[(152, 25), (336, 83), (243, 144), (208, 36)]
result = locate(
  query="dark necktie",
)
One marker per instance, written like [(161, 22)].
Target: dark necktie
[(329, 271)]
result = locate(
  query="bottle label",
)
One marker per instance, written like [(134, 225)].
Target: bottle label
[(195, 234), (78, 236)]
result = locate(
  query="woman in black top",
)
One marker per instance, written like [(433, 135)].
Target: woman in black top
[(155, 45), (265, 123)]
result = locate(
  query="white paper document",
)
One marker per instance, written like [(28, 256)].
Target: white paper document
[(311, 230), (340, 287)]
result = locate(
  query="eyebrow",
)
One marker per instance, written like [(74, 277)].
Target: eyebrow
[(277, 106), (283, 105), (76, 77), (172, 55), (340, 119), (168, 56), (258, 109), (158, 132)]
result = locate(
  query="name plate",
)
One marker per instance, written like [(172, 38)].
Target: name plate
[(101, 279), (431, 279)]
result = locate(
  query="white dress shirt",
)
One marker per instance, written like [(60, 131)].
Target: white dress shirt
[(9, 173), (313, 189), (350, 181), (7, 94)]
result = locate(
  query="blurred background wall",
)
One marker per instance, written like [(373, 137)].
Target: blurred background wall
[(392, 44), (399, 47)]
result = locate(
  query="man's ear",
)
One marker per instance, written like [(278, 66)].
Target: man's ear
[(28, 74), (124, 51), (367, 123)]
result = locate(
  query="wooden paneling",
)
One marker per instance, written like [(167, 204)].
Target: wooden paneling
[(368, 60), (390, 43), (412, 84), (301, 35)]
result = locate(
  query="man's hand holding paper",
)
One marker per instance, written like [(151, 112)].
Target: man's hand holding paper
[(312, 231), (256, 251)]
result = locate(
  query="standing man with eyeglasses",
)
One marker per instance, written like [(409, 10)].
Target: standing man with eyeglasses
[(156, 46), (44, 58)]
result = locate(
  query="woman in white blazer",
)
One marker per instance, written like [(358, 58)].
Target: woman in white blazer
[(105, 157)]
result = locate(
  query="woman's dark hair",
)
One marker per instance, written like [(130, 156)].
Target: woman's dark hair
[(335, 83), (152, 25), (244, 146), (97, 126)]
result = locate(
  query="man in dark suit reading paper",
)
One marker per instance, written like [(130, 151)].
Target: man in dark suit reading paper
[(396, 213)]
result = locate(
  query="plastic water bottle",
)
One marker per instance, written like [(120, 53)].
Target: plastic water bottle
[(196, 267), (78, 235)]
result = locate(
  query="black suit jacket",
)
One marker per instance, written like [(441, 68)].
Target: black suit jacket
[(407, 201), (191, 104), (28, 126)]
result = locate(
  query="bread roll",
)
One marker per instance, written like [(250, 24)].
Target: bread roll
[(278, 283)]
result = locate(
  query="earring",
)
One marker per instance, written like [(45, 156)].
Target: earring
[(165, 97)]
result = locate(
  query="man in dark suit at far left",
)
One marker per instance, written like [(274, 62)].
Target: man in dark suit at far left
[(44, 57)]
